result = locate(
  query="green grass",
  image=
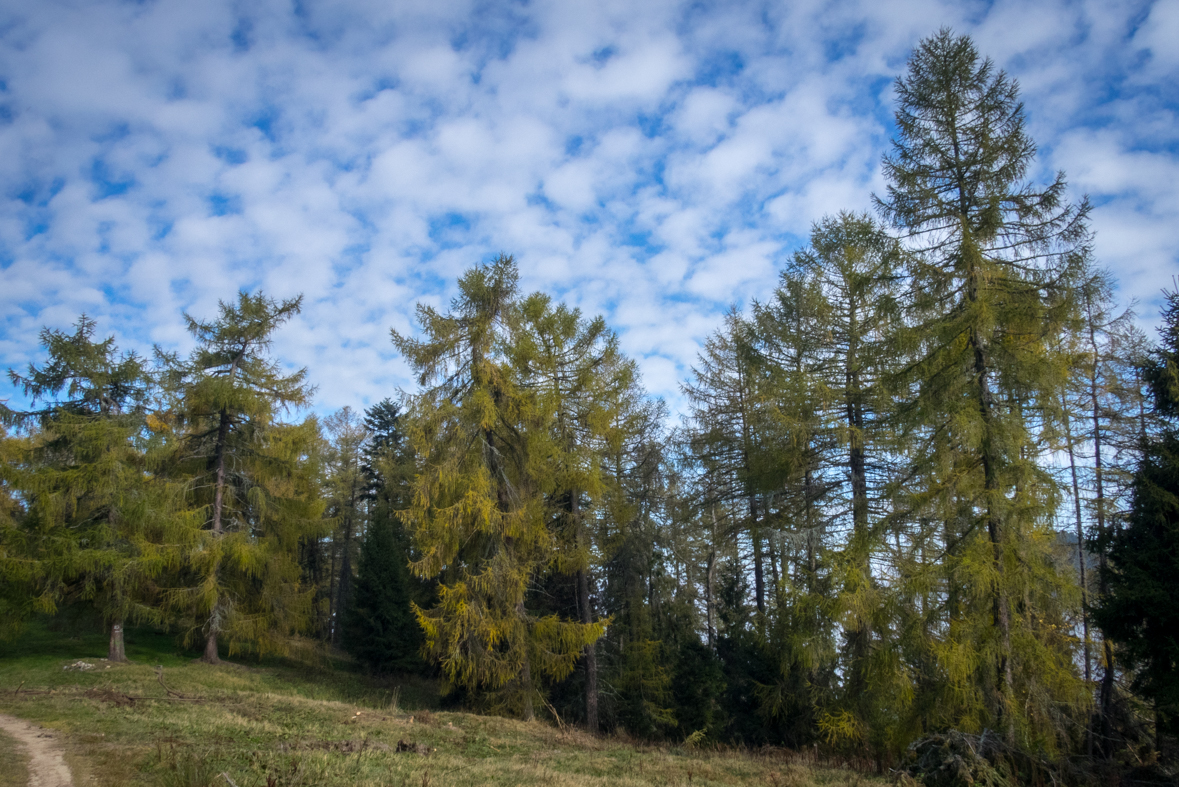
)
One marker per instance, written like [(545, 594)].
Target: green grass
[(289, 724), (12, 764)]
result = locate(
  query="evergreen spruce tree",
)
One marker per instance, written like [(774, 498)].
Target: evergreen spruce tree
[(253, 476), (477, 514), (380, 628), (1137, 610), (993, 286)]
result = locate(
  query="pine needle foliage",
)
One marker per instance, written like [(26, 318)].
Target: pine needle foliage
[(993, 274), (253, 477), (477, 515), (99, 526), (1138, 611)]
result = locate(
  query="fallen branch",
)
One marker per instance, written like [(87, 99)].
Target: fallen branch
[(176, 694), (120, 699), (552, 710)]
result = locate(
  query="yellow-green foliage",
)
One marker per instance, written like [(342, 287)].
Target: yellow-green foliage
[(97, 523), (478, 517), (252, 480), (995, 267), (247, 575)]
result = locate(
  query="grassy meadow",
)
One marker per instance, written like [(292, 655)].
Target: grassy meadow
[(281, 723)]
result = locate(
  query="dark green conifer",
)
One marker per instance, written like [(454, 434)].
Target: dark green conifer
[(380, 627), (1139, 610)]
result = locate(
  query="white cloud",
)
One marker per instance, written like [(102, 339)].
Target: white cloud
[(652, 162)]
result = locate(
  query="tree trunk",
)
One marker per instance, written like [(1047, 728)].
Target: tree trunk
[(332, 594), (775, 575), (343, 596), (1001, 612), (210, 655), (708, 595), (344, 586), (526, 668), (759, 582), (219, 470), (591, 656), (587, 617), (858, 636), (116, 651), (1086, 650), (1107, 676), (1072, 464)]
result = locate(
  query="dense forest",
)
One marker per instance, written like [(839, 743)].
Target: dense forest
[(929, 483)]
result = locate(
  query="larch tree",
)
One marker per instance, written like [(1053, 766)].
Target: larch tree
[(252, 475), (727, 440), (17, 570), (477, 515), (786, 350), (344, 465), (96, 516), (567, 363), (1102, 437), (628, 532), (993, 275), (845, 354)]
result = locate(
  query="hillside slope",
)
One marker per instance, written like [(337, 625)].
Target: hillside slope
[(286, 724)]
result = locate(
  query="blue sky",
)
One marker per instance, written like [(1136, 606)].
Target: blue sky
[(654, 162)]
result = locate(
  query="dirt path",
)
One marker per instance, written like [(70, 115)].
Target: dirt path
[(47, 765)]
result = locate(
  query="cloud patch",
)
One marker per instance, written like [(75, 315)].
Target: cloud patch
[(653, 163)]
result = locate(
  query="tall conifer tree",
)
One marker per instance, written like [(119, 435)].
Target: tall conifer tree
[(380, 628), (253, 473), (568, 363), (97, 518), (993, 286), (477, 515), (827, 336), (344, 465), (1141, 579)]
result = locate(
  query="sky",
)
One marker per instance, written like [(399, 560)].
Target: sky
[(654, 162)]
